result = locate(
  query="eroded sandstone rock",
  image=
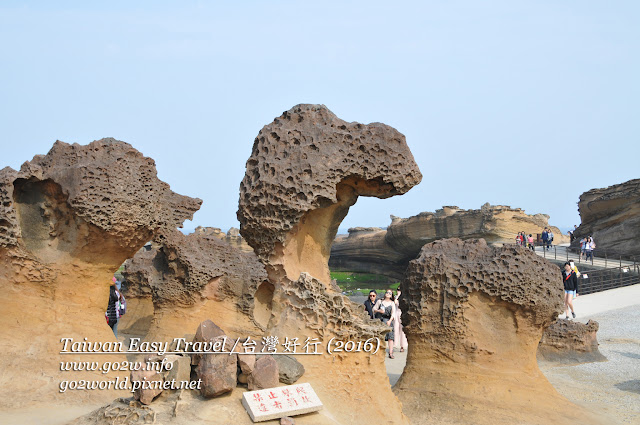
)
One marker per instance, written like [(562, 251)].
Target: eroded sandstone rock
[(388, 252), (306, 169), (570, 342), (474, 315), (218, 372), (68, 220), (612, 216), (149, 385), (182, 280)]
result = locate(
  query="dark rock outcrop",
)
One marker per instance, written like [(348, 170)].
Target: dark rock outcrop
[(612, 216), (388, 252)]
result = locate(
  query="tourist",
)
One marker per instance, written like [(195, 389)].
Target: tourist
[(574, 268), (590, 245), (583, 247), (530, 241), (399, 336), (570, 289), (113, 309), (387, 309), (545, 236), (370, 302), (549, 239), (519, 239)]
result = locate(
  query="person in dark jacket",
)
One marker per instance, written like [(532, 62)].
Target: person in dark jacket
[(370, 302), (570, 289), (112, 309)]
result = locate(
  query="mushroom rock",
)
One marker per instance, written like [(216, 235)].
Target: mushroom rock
[(68, 220), (474, 315), (570, 342), (185, 279), (306, 169)]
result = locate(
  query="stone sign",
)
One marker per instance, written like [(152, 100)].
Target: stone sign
[(278, 402)]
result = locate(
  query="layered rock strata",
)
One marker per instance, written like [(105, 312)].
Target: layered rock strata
[(570, 342), (612, 216), (474, 315), (68, 220), (388, 252)]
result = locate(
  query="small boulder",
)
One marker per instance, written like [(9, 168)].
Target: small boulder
[(218, 373), (247, 362), (147, 391), (264, 375), (207, 332), (290, 370), (287, 421)]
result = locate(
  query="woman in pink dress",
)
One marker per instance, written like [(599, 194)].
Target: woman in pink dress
[(400, 337)]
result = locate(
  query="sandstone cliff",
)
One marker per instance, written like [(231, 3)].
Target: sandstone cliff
[(612, 216), (68, 220), (474, 315), (389, 252)]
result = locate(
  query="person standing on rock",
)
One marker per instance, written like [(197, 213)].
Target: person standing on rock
[(387, 309), (570, 289), (370, 302), (399, 336)]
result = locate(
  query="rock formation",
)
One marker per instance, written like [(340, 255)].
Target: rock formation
[(68, 220), (306, 169), (474, 315), (388, 252), (183, 280), (232, 237), (612, 216), (570, 342)]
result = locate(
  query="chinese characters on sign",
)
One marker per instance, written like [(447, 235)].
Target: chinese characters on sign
[(273, 403)]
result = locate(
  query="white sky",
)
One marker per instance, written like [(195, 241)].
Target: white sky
[(523, 103)]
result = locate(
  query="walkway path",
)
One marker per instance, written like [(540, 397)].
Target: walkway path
[(559, 252)]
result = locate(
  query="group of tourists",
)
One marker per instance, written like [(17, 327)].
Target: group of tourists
[(547, 238), (387, 309), (117, 306), (587, 245), (523, 240)]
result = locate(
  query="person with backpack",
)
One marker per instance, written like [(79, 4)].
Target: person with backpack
[(115, 308), (570, 281)]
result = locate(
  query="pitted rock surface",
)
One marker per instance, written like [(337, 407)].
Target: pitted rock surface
[(570, 342), (612, 216), (439, 282), (180, 274), (298, 161), (68, 219), (107, 184), (473, 315)]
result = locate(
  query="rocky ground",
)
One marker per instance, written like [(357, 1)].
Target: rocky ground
[(611, 387)]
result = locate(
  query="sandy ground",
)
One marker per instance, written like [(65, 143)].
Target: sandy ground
[(611, 387)]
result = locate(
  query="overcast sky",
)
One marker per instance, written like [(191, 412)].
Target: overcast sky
[(520, 103)]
